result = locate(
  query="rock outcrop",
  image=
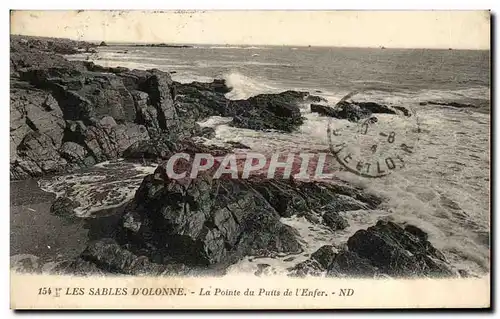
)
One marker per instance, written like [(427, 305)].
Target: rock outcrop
[(261, 112), (71, 114), (397, 251), (50, 45), (205, 221), (208, 223), (355, 111), (386, 249)]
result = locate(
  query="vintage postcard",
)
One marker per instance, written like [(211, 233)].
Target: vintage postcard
[(249, 159)]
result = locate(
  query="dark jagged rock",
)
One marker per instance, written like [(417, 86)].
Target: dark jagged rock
[(155, 149), (85, 96), (262, 112), (349, 111), (206, 221), (71, 114), (110, 256), (355, 111), (36, 156), (324, 255), (163, 45), (217, 86), (382, 108), (36, 129), (282, 196), (51, 45), (385, 249), (91, 66), (268, 111), (74, 153), (324, 110), (350, 264), (414, 230), (289, 197), (316, 265), (398, 252), (66, 114), (334, 221)]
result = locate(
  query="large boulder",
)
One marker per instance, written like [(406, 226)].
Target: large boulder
[(324, 110), (83, 95), (261, 112), (324, 255), (349, 264), (268, 111), (334, 221), (206, 221), (316, 265), (386, 249), (355, 111), (105, 140), (36, 156)]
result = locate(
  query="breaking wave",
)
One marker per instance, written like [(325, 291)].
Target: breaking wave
[(244, 86)]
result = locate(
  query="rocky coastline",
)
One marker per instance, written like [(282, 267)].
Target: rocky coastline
[(67, 115)]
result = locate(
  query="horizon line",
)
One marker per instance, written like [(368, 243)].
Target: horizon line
[(116, 43)]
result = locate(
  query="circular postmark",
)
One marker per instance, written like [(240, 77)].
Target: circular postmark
[(371, 139)]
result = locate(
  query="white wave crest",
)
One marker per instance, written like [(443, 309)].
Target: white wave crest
[(244, 87)]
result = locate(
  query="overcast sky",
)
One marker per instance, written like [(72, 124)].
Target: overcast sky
[(400, 29)]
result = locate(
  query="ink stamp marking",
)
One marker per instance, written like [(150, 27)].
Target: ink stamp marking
[(372, 145)]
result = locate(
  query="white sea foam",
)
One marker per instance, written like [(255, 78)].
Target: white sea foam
[(106, 185), (244, 87), (215, 121)]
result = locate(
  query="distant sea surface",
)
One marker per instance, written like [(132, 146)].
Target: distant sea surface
[(429, 74), (445, 187)]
